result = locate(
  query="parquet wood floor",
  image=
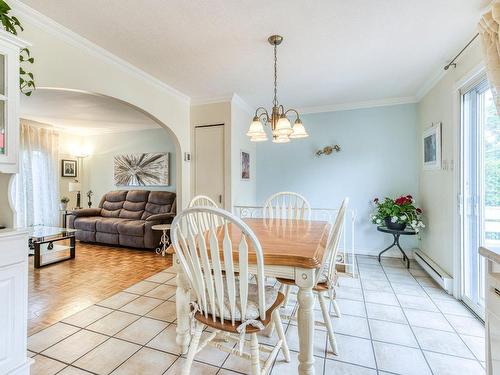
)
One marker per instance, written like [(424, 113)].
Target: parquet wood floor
[(59, 290)]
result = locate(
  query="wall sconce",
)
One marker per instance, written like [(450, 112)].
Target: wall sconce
[(327, 150)]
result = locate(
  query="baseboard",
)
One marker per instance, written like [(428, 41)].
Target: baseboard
[(434, 271), (24, 369), (393, 253)]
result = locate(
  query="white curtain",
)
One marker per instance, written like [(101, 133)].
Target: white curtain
[(490, 41), (37, 184)]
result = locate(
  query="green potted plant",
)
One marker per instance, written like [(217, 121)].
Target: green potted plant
[(64, 203), (397, 213)]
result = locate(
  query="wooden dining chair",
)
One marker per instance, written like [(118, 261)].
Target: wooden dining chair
[(222, 298), (287, 205), (326, 276)]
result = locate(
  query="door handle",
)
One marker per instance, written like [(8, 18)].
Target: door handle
[(220, 198)]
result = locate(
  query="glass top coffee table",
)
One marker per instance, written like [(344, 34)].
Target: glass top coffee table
[(51, 243)]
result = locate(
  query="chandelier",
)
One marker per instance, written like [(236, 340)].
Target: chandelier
[(282, 130)]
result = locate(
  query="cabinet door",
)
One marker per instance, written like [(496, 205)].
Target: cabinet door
[(493, 344), (9, 103), (13, 299)]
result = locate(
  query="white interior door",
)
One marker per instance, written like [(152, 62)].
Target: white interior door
[(209, 162), (480, 188)]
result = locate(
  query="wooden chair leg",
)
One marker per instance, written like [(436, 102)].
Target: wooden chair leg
[(193, 348), (281, 334), (254, 354), (336, 308), (328, 323)]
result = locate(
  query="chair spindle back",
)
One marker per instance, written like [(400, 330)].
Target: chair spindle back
[(207, 260), (287, 205)]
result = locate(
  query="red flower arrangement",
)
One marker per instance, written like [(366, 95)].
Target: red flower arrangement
[(400, 211)]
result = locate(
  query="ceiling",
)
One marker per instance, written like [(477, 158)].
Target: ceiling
[(334, 51), (83, 113)]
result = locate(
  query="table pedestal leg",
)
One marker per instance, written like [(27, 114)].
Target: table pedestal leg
[(396, 243), (305, 281), (182, 307)]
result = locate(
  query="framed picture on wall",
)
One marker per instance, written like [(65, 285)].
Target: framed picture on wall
[(146, 169), (431, 143), (245, 165), (68, 168)]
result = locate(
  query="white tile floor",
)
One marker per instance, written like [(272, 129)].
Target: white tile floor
[(394, 321)]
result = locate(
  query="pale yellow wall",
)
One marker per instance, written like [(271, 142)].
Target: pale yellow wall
[(436, 187), (214, 114)]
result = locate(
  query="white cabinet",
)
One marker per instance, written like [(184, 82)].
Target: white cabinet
[(13, 302), (493, 343), (9, 101), (492, 310)]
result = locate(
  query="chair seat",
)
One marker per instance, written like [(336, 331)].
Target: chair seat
[(271, 294), (321, 285), (228, 327)]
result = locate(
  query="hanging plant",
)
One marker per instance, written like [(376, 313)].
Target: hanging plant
[(12, 25)]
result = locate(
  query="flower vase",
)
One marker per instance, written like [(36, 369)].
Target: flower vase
[(394, 226)]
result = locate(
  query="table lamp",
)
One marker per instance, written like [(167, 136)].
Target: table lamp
[(76, 186)]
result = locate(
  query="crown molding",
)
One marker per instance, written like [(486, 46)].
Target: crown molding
[(359, 105), (51, 26), (430, 83), (211, 100), (237, 100)]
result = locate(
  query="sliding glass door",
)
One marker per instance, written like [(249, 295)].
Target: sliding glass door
[(480, 188)]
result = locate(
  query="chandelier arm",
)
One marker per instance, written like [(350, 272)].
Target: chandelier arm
[(263, 112), (266, 117), (294, 111)]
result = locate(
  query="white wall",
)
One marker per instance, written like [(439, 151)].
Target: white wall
[(436, 187), (65, 60), (98, 168), (378, 159)]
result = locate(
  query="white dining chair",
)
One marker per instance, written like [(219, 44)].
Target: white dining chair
[(203, 201), (222, 298), (287, 205), (326, 276)]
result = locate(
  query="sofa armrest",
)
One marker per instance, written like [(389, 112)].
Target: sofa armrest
[(161, 217), (86, 212)]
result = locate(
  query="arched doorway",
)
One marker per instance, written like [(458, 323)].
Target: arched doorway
[(77, 105)]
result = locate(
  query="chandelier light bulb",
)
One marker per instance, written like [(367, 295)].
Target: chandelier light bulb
[(298, 130)]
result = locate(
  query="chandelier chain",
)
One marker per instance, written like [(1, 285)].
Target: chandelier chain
[(275, 100)]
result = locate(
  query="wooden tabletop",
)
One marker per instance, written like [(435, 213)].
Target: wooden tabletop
[(285, 242)]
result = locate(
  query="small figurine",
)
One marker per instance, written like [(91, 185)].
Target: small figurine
[(89, 196)]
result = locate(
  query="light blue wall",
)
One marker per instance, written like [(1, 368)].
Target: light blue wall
[(378, 158), (99, 174)]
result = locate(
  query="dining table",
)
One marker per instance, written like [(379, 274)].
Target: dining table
[(292, 249)]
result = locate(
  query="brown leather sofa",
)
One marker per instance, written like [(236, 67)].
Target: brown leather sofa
[(125, 218)]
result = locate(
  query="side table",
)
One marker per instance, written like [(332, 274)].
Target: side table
[(396, 234), (165, 240)]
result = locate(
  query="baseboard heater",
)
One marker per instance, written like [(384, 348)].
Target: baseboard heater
[(434, 271)]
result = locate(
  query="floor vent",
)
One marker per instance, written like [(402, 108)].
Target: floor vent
[(434, 271)]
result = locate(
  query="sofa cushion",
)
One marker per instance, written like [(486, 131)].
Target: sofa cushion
[(87, 223), (158, 202), (132, 210), (131, 227), (108, 224), (112, 203), (137, 195)]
